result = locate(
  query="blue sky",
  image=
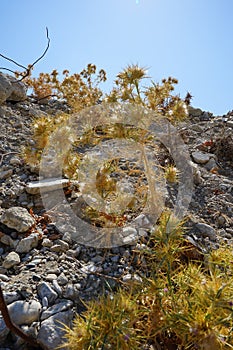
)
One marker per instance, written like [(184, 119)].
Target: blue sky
[(191, 40)]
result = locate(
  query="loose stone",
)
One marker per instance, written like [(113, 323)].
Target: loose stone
[(12, 259), (17, 218), (24, 312), (45, 290)]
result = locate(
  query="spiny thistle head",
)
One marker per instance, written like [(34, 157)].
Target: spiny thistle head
[(131, 74), (171, 174)]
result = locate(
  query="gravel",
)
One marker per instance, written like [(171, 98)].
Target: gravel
[(45, 275)]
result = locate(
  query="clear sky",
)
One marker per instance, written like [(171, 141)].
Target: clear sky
[(191, 40)]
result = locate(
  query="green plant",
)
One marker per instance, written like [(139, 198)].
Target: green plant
[(183, 303), (106, 324), (171, 174)]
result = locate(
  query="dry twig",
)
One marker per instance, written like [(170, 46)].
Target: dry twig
[(30, 66), (12, 327)]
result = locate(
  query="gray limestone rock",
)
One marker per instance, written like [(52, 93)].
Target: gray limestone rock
[(18, 90), (201, 158), (4, 331), (17, 218), (10, 297), (195, 112), (5, 88), (62, 306), (27, 243), (51, 333), (62, 279), (45, 290), (11, 89), (24, 312), (211, 164), (7, 240), (206, 230), (11, 260)]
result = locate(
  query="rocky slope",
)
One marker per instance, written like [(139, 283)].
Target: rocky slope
[(44, 274)]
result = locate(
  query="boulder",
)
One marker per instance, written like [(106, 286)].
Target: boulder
[(5, 88), (11, 89), (19, 90)]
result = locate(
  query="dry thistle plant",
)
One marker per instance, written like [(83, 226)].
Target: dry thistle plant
[(78, 90), (171, 174), (82, 90), (185, 300), (183, 304), (157, 97)]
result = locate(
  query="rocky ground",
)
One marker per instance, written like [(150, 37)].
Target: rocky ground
[(44, 274)]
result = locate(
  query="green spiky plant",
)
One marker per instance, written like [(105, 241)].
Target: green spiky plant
[(186, 302), (107, 324)]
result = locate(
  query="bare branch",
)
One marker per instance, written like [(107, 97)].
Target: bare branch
[(12, 327), (44, 53), (9, 70), (30, 66), (9, 59)]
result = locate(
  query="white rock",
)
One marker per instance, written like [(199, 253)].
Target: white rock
[(197, 179), (24, 312), (50, 277), (47, 243), (17, 218), (27, 243), (129, 234), (11, 260), (142, 221), (59, 246), (127, 277), (4, 278), (130, 277)]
